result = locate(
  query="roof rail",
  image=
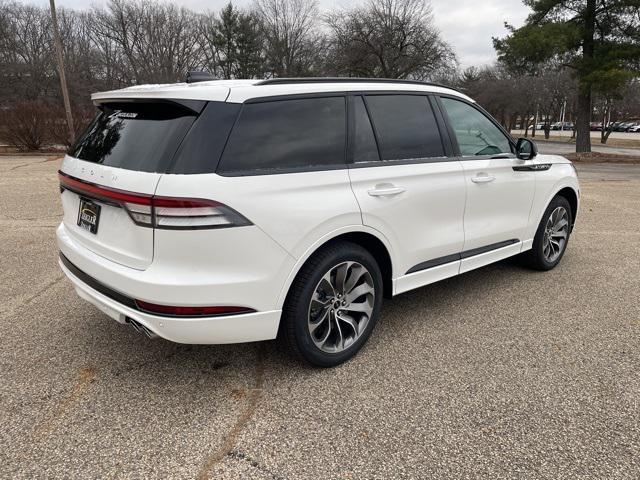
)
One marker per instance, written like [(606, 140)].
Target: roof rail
[(285, 81), (195, 76)]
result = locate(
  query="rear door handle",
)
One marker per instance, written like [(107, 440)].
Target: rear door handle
[(483, 179), (385, 190)]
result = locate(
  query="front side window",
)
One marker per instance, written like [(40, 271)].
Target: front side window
[(476, 134), (406, 126), (286, 134)]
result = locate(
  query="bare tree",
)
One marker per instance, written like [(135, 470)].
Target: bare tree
[(388, 38), (158, 41), (26, 52), (613, 105), (113, 68), (294, 44)]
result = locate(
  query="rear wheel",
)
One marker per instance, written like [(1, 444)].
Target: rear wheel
[(333, 305), (552, 236)]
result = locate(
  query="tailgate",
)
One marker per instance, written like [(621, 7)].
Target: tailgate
[(115, 236), (114, 168)]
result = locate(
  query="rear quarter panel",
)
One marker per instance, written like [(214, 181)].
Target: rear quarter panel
[(296, 212), (294, 209)]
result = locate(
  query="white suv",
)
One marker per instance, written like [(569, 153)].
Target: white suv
[(234, 211)]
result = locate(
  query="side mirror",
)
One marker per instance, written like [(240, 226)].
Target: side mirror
[(526, 149)]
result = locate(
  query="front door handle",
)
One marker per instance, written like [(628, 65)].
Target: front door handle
[(384, 190), (483, 179)]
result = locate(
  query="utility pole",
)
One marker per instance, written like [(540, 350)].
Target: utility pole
[(63, 78)]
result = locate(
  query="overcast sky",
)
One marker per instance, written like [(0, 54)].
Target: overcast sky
[(467, 25)]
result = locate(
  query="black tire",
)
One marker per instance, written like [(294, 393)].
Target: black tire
[(536, 258), (296, 312)]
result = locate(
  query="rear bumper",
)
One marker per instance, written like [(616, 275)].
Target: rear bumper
[(247, 327)]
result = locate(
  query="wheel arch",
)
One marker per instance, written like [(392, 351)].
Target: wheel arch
[(572, 197), (377, 248), (370, 239)]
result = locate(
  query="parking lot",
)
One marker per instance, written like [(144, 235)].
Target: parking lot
[(498, 373)]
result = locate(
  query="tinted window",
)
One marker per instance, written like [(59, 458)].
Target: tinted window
[(135, 136), (406, 126), (476, 134), (364, 141), (201, 149), (287, 134)]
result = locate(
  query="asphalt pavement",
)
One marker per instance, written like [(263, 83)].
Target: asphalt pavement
[(499, 373)]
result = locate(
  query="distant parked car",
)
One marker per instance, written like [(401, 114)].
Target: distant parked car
[(595, 126), (624, 127), (562, 126), (539, 126), (634, 128)]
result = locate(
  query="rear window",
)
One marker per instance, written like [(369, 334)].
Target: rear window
[(134, 136), (287, 134), (406, 126)]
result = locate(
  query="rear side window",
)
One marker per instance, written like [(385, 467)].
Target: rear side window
[(134, 136), (201, 149), (287, 134), (406, 126)]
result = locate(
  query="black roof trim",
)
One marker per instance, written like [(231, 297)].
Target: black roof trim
[(286, 81)]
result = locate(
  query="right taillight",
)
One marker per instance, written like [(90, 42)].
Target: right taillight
[(190, 213), (175, 213)]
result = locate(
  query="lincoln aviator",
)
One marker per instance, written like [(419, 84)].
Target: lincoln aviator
[(225, 211)]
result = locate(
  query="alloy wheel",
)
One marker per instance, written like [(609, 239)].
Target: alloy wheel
[(341, 307), (556, 232)]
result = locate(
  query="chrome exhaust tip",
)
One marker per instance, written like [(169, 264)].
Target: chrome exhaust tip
[(140, 328)]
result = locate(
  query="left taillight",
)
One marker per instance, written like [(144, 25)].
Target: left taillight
[(173, 213)]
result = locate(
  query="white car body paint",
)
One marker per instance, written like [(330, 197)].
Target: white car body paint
[(438, 213)]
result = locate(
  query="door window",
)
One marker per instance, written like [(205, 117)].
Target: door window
[(364, 142), (476, 134), (286, 134), (406, 126)]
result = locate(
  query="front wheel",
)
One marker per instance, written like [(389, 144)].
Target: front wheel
[(552, 236), (333, 305)]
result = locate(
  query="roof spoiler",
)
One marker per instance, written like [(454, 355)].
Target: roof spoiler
[(194, 106), (196, 76)]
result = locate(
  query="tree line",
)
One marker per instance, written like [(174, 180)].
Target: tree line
[(541, 74), (131, 42), (134, 42), (521, 100)]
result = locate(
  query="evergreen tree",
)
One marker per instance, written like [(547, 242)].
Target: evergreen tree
[(599, 40)]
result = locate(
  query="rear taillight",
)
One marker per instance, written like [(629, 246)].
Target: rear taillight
[(194, 213), (191, 311), (160, 212)]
